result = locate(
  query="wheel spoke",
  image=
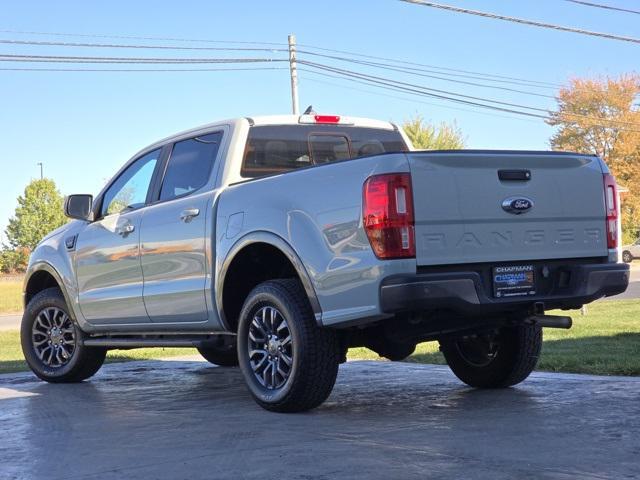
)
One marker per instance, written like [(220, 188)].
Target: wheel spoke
[(258, 351), (286, 358), (265, 377), (258, 365), (47, 317), (56, 318), (39, 324), (50, 357), (42, 352), (259, 325), (253, 338), (58, 356), (282, 326), (64, 353), (273, 313), (37, 343), (282, 373)]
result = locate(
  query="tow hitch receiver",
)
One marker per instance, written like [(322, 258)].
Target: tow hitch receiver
[(550, 321)]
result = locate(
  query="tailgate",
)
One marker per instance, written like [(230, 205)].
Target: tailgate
[(460, 218)]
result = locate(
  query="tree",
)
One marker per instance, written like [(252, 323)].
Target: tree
[(14, 261), (427, 136), (601, 116), (39, 211)]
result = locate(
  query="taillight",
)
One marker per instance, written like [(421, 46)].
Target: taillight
[(327, 118), (388, 215), (611, 206), (314, 118)]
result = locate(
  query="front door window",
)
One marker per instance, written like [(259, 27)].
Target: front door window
[(130, 190)]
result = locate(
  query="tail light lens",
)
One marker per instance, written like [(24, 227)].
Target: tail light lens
[(611, 206), (327, 118), (388, 215)]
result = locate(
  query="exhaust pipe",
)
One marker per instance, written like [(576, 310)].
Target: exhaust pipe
[(551, 321)]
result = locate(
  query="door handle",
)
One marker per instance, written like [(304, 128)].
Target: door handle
[(188, 214), (125, 229)]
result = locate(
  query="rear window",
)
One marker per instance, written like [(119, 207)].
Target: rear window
[(279, 148)]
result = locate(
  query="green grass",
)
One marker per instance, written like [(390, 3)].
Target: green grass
[(10, 297), (604, 342)]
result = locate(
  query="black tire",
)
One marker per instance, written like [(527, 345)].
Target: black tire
[(627, 257), (313, 352), (222, 351), (79, 364), (508, 361)]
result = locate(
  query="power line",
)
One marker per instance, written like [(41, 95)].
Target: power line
[(135, 37), (122, 70), (416, 89), (606, 7), (137, 60), (416, 72), (490, 104), (435, 92), (127, 46), (472, 74), (477, 76), (522, 21), (466, 73), (407, 99)]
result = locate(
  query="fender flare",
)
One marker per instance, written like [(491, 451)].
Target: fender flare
[(282, 245), (42, 266)]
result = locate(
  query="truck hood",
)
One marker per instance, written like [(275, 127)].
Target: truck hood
[(71, 226)]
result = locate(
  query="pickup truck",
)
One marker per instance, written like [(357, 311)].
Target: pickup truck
[(277, 243)]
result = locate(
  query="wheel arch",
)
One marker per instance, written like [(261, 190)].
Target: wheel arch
[(278, 253), (41, 276)]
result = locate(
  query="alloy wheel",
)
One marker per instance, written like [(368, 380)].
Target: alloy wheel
[(53, 337), (270, 348)]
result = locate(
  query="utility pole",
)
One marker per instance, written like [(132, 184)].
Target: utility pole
[(294, 75), (41, 176)]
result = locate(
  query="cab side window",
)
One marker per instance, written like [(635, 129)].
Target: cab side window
[(190, 165), (130, 190)]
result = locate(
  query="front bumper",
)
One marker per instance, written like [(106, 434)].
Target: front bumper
[(470, 292)]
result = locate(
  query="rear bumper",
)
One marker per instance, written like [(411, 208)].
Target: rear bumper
[(467, 292)]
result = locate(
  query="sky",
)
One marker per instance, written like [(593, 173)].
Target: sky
[(84, 125)]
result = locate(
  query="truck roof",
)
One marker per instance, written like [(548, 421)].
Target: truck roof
[(277, 120), (306, 119)]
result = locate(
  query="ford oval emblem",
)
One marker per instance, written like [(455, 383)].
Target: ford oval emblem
[(517, 205)]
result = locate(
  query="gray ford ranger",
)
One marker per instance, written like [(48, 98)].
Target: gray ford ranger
[(276, 243)]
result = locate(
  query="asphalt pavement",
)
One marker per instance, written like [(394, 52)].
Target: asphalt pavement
[(187, 419)]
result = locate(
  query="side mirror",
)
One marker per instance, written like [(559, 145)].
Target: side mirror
[(78, 206)]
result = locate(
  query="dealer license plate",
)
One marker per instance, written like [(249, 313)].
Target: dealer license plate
[(514, 281)]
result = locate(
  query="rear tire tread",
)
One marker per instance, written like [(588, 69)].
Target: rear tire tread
[(511, 366), (320, 355)]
